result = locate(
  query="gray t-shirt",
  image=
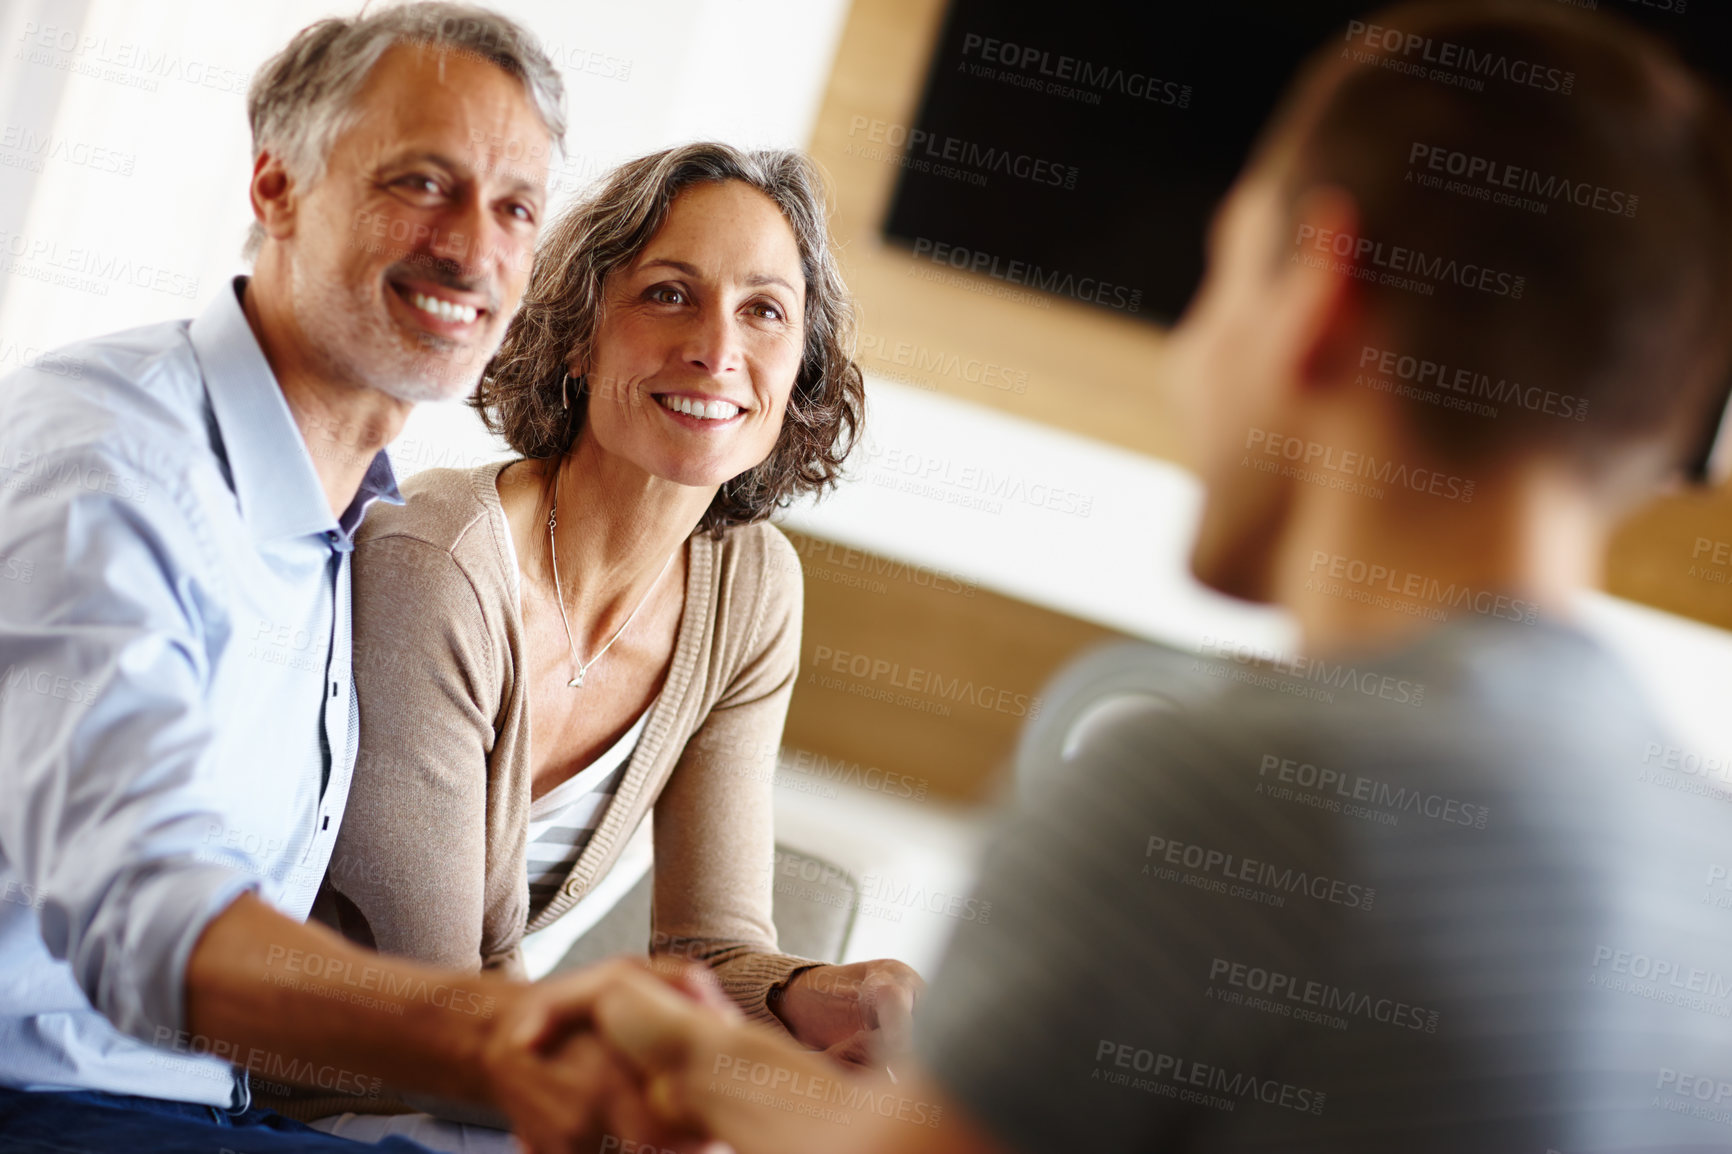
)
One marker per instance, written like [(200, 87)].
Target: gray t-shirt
[(1486, 911)]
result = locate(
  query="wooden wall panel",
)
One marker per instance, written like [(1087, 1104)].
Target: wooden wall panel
[(920, 673)]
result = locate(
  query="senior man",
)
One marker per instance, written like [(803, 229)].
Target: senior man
[(177, 719)]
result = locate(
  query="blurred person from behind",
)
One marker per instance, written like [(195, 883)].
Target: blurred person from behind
[(1459, 903)]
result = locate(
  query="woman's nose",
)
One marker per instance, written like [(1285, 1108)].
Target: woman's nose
[(712, 342)]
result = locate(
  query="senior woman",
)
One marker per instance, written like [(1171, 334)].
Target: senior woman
[(606, 628)]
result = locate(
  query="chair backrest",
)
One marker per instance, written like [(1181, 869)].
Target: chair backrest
[(1102, 686), (815, 903)]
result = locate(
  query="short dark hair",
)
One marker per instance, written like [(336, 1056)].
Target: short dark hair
[(521, 393), (1620, 222)]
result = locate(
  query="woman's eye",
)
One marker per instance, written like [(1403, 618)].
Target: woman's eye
[(667, 295), (769, 310)]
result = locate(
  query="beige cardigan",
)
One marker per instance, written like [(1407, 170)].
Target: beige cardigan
[(430, 860)]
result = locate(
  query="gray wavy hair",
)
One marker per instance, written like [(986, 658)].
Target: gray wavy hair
[(303, 98), (522, 393)]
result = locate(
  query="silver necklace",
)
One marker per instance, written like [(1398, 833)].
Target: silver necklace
[(559, 597)]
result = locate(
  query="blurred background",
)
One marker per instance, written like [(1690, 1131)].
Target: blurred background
[(1018, 193)]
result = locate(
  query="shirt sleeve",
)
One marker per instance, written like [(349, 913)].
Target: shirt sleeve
[(1075, 1010), (715, 819), (105, 734)]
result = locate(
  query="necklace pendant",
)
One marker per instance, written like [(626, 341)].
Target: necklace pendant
[(576, 682)]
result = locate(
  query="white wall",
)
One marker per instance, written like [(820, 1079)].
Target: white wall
[(155, 90)]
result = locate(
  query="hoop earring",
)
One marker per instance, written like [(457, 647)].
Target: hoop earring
[(565, 391)]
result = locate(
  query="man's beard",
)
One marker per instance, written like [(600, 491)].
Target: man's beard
[(353, 341)]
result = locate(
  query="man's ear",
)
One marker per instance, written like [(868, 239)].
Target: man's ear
[(1323, 301), (273, 196)]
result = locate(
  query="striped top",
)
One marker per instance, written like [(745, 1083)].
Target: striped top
[(562, 820)]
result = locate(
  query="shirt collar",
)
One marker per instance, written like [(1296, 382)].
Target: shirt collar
[(274, 480), (380, 484)]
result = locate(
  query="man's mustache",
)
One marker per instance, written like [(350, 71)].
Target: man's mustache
[(446, 273)]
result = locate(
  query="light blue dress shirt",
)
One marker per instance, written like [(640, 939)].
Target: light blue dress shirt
[(177, 716)]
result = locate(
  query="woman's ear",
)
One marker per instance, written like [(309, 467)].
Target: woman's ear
[(574, 373)]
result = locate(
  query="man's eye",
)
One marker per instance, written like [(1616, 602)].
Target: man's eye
[(422, 184), (521, 212)]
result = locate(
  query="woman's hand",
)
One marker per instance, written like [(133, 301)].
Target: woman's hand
[(860, 1013), (565, 1087)]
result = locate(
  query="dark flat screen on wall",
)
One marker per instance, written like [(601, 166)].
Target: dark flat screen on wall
[(1078, 149)]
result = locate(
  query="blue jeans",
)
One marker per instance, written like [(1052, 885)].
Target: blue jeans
[(92, 1122)]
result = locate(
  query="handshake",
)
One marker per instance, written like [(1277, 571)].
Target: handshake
[(641, 1057)]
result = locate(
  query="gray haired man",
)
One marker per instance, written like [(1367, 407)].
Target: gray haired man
[(177, 718)]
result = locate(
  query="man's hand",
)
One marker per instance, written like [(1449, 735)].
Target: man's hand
[(860, 1013), (264, 990), (567, 1090), (709, 1073)]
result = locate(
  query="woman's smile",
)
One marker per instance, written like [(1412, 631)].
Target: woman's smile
[(696, 411)]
